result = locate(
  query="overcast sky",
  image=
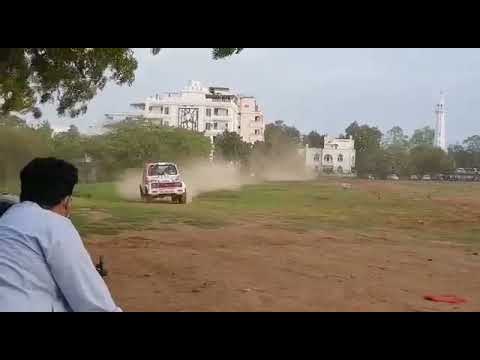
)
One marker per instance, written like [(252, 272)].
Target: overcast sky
[(316, 89)]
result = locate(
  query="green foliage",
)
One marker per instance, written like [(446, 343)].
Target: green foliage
[(124, 146), (424, 136), (71, 77), (230, 146), (370, 158), (468, 155), (398, 159), (217, 53), (314, 139), (425, 159), (472, 144), (130, 145), (396, 137), (18, 145), (279, 137), (279, 151)]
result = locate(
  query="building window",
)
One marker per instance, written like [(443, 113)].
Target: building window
[(340, 158), (208, 112), (328, 158), (208, 126), (166, 110), (220, 112), (149, 108), (215, 126), (257, 131), (316, 157), (257, 118)]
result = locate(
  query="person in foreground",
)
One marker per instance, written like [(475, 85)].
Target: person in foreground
[(44, 265)]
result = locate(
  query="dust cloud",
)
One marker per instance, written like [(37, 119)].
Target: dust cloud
[(288, 167), (128, 185), (203, 176)]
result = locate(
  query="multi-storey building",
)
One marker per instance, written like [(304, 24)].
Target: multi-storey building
[(209, 110)]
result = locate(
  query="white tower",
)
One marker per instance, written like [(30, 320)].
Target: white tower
[(440, 113)]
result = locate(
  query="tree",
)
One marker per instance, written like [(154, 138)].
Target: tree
[(314, 139), (278, 153), (278, 134), (230, 146), (396, 137), (69, 145), (132, 145), (69, 76), (461, 157), (424, 136), (18, 145), (425, 159), (367, 145), (73, 131), (398, 159), (472, 146)]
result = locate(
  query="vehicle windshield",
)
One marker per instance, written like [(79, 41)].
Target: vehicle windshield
[(157, 170)]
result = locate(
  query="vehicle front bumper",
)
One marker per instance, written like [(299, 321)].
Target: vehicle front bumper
[(160, 192)]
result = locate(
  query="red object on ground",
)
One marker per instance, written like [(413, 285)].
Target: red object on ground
[(450, 299)]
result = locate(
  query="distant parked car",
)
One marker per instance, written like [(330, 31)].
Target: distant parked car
[(438, 177), (393, 177), (413, 177), (426, 177), (371, 177)]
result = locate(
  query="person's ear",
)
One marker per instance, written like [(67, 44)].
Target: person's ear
[(67, 205)]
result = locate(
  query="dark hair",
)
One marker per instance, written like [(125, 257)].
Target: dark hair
[(47, 181)]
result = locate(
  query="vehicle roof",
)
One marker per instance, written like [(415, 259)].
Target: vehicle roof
[(160, 163)]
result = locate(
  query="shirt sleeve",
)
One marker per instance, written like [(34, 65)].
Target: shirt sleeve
[(75, 274)]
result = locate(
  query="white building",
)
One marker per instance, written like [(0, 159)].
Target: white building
[(337, 156), (209, 110), (440, 134)]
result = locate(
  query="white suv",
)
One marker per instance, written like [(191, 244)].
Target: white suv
[(160, 180)]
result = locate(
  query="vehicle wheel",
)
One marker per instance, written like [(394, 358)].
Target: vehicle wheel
[(183, 198), (175, 199)]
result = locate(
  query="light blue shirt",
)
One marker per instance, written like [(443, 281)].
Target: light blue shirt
[(44, 265)]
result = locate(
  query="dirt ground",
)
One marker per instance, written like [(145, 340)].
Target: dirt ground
[(254, 268)]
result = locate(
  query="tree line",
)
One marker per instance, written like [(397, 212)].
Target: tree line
[(130, 143), (124, 145), (377, 153)]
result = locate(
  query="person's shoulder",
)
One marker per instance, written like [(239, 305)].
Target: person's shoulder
[(55, 225), (61, 231), (60, 222)]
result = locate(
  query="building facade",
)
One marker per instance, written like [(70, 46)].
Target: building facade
[(337, 156), (209, 110)]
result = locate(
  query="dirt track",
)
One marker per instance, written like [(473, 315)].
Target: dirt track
[(253, 268)]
